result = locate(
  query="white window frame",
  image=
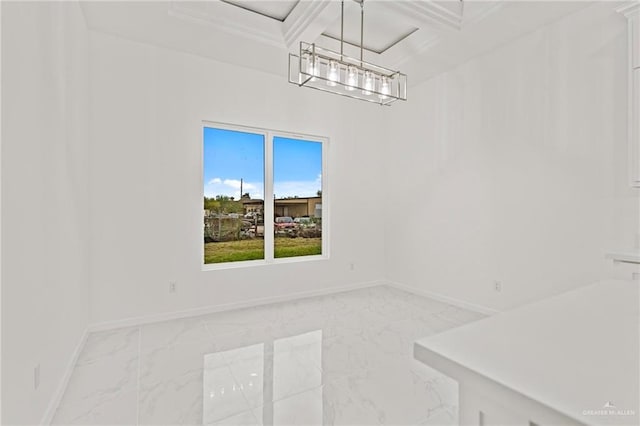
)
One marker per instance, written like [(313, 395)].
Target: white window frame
[(269, 238)]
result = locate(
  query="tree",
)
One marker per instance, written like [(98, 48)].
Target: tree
[(319, 193), (222, 204), (209, 204)]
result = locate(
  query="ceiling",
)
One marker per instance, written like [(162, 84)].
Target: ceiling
[(278, 10), (420, 38)]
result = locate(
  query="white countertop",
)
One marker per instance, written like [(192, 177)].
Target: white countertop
[(573, 352)]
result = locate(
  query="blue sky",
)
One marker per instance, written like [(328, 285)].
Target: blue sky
[(231, 155)]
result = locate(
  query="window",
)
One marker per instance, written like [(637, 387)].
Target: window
[(243, 167)]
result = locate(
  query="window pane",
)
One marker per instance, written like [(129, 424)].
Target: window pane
[(297, 189), (233, 196)]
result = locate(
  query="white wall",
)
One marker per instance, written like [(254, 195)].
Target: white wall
[(44, 200), (147, 104), (513, 168)]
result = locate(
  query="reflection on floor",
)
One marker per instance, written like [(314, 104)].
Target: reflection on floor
[(343, 359)]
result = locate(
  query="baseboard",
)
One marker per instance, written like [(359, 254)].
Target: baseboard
[(62, 386), (446, 299), (136, 321)]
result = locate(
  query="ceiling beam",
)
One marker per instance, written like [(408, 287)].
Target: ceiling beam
[(629, 8), (308, 20), (231, 19), (431, 12)]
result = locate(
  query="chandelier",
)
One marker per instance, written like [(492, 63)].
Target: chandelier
[(323, 69)]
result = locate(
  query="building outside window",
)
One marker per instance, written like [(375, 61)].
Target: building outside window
[(243, 167)]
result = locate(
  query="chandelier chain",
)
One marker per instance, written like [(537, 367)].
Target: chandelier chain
[(361, 31)]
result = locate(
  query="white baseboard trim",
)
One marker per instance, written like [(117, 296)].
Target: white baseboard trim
[(136, 321), (147, 319), (445, 299), (47, 418)]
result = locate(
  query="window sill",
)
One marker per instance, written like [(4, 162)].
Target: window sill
[(254, 263)]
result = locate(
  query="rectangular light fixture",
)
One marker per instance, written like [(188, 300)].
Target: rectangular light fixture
[(329, 71), (333, 72)]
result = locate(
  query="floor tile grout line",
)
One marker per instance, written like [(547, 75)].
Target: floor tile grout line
[(227, 365), (250, 411), (246, 400), (273, 401), (98, 358), (447, 316), (345, 388)]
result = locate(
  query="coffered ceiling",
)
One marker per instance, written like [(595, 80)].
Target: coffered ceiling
[(421, 38), (278, 10)]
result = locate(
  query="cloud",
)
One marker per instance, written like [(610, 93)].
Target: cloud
[(231, 188), (297, 188), (281, 189), (235, 184)]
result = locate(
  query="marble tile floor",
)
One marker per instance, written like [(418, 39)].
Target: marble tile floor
[(341, 359)]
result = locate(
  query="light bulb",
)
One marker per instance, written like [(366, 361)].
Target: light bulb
[(332, 73), (352, 78), (313, 68), (368, 83), (385, 88)]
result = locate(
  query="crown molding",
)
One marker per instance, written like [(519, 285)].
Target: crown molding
[(629, 9), (308, 20), (231, 19), (431, 12), (401, 57), (487, 10)]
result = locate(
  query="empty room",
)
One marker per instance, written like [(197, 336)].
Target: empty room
[(320, 212)]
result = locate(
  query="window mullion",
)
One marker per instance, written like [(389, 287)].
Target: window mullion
[(268, 199)]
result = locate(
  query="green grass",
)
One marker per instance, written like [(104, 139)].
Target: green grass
[(291, 247), (235, 251)]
